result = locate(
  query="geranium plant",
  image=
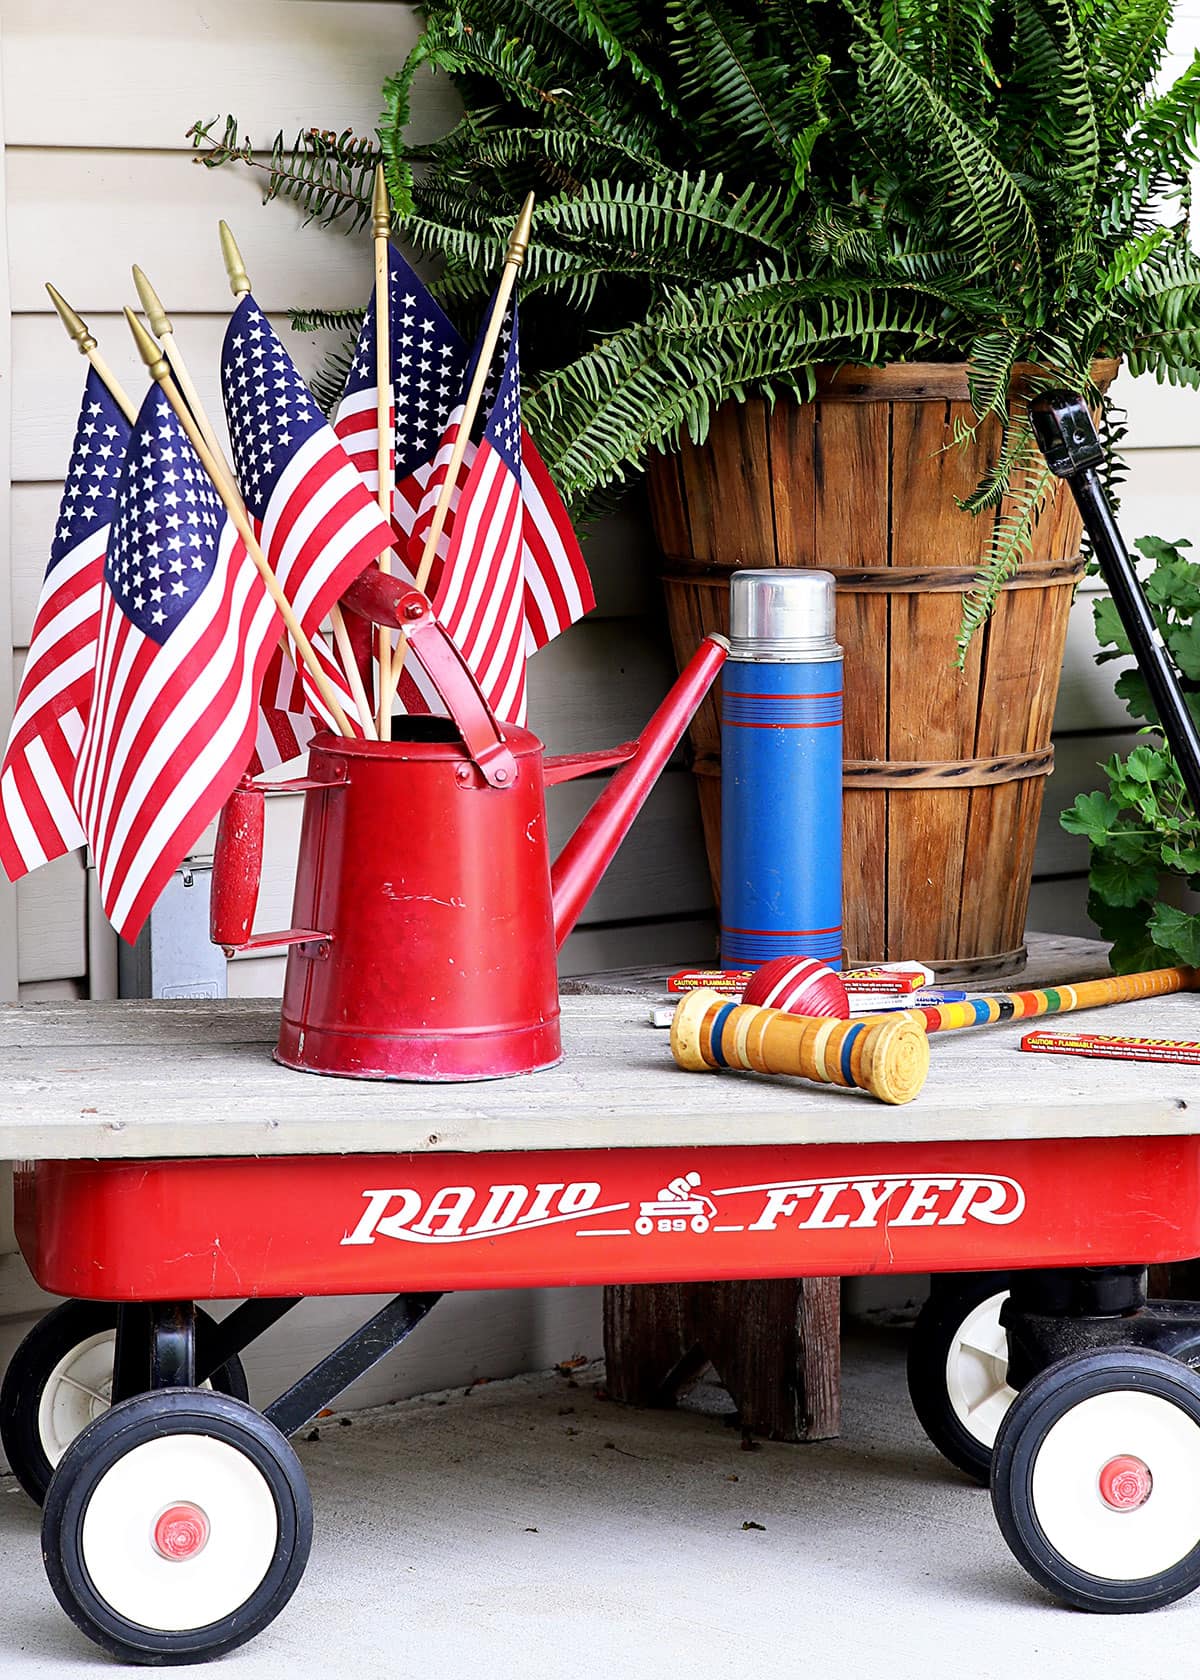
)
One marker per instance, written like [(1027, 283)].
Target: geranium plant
[(1144, 834)]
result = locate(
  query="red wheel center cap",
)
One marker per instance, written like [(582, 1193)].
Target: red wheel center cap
[(1125, 1483), (180, 1533)]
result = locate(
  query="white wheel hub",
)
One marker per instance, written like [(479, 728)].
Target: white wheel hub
[(977, 1371), (77, 1391), (1116, 1485), (180, 1532)]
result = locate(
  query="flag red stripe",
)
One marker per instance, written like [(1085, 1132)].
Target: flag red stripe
[(212, 796)]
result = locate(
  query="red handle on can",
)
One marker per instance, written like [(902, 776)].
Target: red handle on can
[(391, 601), (237, 870), (237, 866)]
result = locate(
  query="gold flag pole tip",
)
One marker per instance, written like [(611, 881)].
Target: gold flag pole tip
[(75, 324), (239, 283), (148, 349), (381, 206), (519, 242), (152, 304)]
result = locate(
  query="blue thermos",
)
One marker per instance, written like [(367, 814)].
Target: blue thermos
[(781, 771)]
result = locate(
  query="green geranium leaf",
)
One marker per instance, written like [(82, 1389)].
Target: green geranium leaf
[(1130, 686), (1145, 765), (1184, 643), (1132, 846), (1177, 585), (1185, 860), (1120, 882), (1093, 814), (1132, 947), (1109, 628), (1176, 932), (1157, 548)]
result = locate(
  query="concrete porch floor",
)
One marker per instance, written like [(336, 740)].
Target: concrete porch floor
[(528, 1528)]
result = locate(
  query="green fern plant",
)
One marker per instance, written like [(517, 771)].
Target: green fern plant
[(732, 192)]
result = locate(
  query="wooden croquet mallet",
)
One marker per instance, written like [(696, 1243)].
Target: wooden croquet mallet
[(1055, 1000), (885, 1055)]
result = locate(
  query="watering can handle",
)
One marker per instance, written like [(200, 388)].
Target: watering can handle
[(391, 601)]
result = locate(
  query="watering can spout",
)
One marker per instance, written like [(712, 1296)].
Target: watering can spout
[(589, 851)]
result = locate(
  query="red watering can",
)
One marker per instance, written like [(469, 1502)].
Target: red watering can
[(427, 912)]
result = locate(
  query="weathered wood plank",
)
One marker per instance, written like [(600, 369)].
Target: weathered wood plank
[(1085, 696), (774, 1345), (276, 64), (180, 1078)]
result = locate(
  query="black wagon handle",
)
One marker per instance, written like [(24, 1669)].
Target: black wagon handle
[(1067, 436)]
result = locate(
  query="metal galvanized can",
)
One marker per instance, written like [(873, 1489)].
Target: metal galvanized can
[(781, 771)]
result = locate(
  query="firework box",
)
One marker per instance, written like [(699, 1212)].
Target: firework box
[(1113, 1047)]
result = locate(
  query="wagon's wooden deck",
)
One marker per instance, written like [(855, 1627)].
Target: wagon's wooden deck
[(182, 1078)]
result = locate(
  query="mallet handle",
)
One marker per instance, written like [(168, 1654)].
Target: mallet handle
[(1054, 1000), (885, 1055)]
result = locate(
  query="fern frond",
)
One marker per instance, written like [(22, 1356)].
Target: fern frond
[(692, 215), (1012, 538), (989, 372), (989, 213), (329, 381), (721, 77), (328, 175), (326, 320)]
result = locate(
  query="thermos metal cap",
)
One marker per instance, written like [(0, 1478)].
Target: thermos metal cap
[(782, 615)]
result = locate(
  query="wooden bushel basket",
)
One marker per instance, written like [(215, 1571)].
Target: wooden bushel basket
[(945, 769)]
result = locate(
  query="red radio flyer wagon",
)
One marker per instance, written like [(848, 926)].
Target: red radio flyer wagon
[(167, 1161)]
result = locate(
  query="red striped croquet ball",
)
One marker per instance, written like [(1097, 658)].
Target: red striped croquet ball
[(801, 986)]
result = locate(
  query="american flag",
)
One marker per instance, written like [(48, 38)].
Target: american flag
[(318, 524), (37, 814), (480, 596), (430, 367), (186, 631)]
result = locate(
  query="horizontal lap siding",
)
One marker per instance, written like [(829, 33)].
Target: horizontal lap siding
[(97, 181)]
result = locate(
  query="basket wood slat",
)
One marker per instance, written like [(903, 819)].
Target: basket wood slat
[(945, 768)]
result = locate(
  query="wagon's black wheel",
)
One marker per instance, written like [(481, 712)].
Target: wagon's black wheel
[(958, 1370), (176, 1527), (60, 1379), (1096, 1479)]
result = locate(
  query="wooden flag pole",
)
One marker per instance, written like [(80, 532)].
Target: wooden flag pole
[(381, 229), (77, 331), (239, 285), (160, 325), (160, 372), (513, 258)]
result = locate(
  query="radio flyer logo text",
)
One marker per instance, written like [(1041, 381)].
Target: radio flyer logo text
[(457, 1213)]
